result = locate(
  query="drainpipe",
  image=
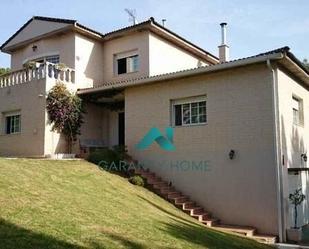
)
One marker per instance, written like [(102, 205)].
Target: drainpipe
[(277, 148)]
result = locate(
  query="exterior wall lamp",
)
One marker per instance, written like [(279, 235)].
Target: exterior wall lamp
[(304, 157), (34, 48), (232, 154)]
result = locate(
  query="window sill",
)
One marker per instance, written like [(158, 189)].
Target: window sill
[(190, 125), (122, 74), (9, 135)]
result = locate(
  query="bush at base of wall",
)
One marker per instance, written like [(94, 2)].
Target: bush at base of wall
[(109, 159), (137, 180)]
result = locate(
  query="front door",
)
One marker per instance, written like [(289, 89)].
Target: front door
[(121, 128)]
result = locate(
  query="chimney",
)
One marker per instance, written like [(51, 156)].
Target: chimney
[(223, 48)]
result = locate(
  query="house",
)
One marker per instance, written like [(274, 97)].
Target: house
[(247, 118)]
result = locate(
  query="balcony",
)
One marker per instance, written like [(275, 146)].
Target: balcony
[(43, 71)]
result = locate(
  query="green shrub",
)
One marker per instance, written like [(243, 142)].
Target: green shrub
[(121, 151), (100, 155), (137, 180), (110, 159)]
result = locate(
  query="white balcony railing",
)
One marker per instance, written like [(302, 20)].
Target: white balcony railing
[(46, 70)]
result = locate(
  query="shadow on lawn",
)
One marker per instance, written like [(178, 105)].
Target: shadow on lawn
[(165, 211), (15, 237), (126, 243), (208, 238), (187, 230)]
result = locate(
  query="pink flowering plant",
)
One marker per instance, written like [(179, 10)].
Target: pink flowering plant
[(65, 113)]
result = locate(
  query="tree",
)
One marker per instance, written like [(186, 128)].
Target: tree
[(306, 63), (4, 70), (296, 199), (65, 113)]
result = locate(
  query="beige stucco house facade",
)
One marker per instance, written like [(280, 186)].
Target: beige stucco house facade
[(247, 119)]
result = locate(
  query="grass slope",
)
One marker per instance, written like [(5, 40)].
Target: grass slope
[(73, 204)]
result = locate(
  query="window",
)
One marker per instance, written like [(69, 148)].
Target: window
[(297, 106), (128, 64), (190, 113), (53, 59), (12, 124)]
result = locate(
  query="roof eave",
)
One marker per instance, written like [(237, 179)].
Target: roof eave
[(186, 45), (199, 49), (166, 34), (185, 74), (10, 49), (87, 31), (41, 18), (292, 64)]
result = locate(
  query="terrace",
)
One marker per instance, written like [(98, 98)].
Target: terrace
[(41, 71)]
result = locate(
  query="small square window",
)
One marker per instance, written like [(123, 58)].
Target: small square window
[(297, 107), (12, 124), (128, 64)]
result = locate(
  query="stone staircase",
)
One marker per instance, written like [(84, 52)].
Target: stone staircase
[(162, 188)]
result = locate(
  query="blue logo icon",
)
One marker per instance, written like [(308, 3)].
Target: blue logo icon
[(154, 134)]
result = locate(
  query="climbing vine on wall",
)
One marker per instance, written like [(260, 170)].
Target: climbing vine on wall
[(65, 112)]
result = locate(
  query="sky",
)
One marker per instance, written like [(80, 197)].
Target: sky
[(253, 26)]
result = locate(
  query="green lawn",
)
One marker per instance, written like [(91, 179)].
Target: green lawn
[(72, 204)]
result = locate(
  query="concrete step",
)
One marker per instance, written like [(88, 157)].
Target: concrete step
[(188, 204), (181, 200), (147, 174), (268, 239), (201, 217), (171, 195), (184, 205), (193, 210), (197, 210), (158, 185), (210, 222), (248, 231), (166, 189), (154, 178)]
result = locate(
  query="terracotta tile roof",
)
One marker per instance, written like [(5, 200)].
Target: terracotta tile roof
[(152, 20), (74, 22), (193, 71)]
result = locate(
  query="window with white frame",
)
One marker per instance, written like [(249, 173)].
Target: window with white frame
[(297, 107), (12, 123), (189, 111), (127, 63), (55, 59)]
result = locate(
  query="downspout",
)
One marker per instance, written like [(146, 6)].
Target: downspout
[(277, 149)]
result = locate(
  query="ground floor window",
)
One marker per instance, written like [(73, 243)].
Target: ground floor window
[(12, 124), (189, 111)]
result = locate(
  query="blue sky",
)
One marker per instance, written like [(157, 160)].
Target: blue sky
[(253, 26)]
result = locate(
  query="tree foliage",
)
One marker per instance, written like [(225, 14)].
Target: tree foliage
[(65, 113), (296, 199), (4, 70)]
